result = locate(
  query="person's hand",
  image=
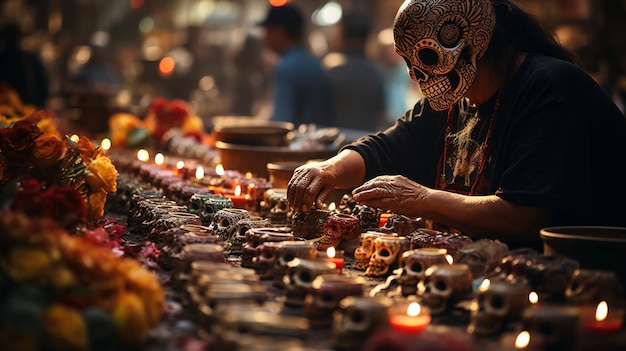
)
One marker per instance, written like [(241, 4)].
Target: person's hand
[(311, 184), (395, 193)]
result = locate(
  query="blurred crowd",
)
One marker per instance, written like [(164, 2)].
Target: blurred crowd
[(223, 65)]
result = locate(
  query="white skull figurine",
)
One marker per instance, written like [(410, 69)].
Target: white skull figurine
[(414, 264), (363, 253), (225, 221), (387, 252), (444, 286), (300, 276), (496, 305), (441, 42), (356, 320)]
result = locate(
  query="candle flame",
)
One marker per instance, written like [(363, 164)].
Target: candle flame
[(533, 297), (414, 309), (200, 173), (332, 206), (602, 311), (484, 286), (331, 252), (522, 340), (248, 175), (219, 169), (238, 190), (159, 159), (74, 138), (105, 144), (180, 165), (143, 155), (450, 259)]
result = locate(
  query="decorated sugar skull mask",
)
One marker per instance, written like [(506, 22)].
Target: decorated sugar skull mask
[(441, 41)]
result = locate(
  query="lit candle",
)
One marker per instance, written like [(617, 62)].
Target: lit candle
[(159, 159), (533, 297), (522, 340), (449, 258), (384, 217), (143, 155), (336, 257), (74, 138), (239, 199), (105, 144), (414, 319), (219, 170), (603, 321)]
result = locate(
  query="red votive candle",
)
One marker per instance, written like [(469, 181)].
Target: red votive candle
[(383, 219), (239, 199), (411, 319)]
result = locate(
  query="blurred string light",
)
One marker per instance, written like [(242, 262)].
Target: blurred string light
[(333, 60), (328, 14), (146, 25), (100, 39), (166, 66), (136, 4), (83, 54), (152, 49), (278, 3), (206, 83), (55, 22)]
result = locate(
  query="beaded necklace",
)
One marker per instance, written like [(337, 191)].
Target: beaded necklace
[(484, 152)]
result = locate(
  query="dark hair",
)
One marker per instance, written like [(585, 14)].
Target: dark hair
[(516, 32)]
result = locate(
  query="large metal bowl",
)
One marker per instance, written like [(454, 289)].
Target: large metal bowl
[(261, 133), (594, 247)]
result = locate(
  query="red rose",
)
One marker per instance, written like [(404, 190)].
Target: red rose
[(158, 106), (17, 142), (61, 203)]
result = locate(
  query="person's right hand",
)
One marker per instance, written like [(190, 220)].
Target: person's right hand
[(311, 184)]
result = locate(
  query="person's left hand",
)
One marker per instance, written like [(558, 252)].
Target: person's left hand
[(395, 193)]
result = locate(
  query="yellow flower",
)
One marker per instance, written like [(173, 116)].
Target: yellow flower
[(27, 263), (101, 174), (130, 319), (48, 150), (145, 284), (192, 124), (95, 204), (65, 328)]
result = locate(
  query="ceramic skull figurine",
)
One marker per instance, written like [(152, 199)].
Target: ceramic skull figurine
[(338, 227), (549, 276), (482, 256), (387, 252), (552, 327), (445, 285), (356, 320), (402, 225), (414, 264), (309, 225), (263, 263), (288, 251), (364, 252), (255, 237), (326, 292), (206, 206), (225, 222), (300, 276), (496, 304), (238, 238), (369, 217), (441, 42), (346, 204), (589, 287)]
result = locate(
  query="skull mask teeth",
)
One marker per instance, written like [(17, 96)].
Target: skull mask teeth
[(441, 41)]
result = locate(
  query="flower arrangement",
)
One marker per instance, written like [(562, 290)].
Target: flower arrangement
[(63, 292), (128, 130), (45, 175)]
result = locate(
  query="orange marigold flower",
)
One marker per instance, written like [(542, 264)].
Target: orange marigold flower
[(87, 149), (48, 150), (65, 328), (95, 204), (101, 174)]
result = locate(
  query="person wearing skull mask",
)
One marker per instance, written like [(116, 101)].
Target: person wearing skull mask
[(511, 137)]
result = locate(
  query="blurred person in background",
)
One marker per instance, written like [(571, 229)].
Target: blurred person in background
[(22, 70), (357, 85), (250, 76), (300, 86)]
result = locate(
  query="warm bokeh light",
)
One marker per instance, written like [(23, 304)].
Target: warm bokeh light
[(533, 297), (330, 252), (200, 173), (143, 155), (105, 144), (166, 66), (180, 165), (219, 169), (238, 190), (414, 309), (159, 159), (332, 206), (484, 286), (248, 175), (602, 311), (74, 138), (450, 259), (136, 4), (278, 3), (522, 340)]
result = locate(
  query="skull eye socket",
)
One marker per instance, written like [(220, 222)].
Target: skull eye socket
[(305, 276), (357, 317), (195, 206), (288, 257), (224, 223), (429, 57), (417, 267), (497, 302), (326, 297), (449, 35), (440, 285), (268, 255), (384, 253)]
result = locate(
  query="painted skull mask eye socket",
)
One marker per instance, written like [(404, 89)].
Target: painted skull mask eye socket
[(441, 41)]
